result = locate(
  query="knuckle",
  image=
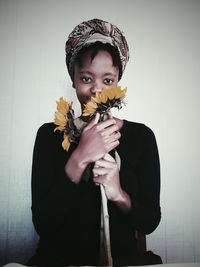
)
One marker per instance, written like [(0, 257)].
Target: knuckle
[(85, 129), (115, 165), (112, 165), (97, 127), (101, 133), (117, 142), (116, 127), (119, 134), (107, 148)]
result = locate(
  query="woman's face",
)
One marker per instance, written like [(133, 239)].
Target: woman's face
[(93, 75)]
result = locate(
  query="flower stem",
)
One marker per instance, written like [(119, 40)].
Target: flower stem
[(106, 229)]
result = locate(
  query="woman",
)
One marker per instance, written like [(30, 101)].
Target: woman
[(66, 209)]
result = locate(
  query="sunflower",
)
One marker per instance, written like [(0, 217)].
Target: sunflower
[(105, 100), (61, 118), (101, 103), (64, 119)]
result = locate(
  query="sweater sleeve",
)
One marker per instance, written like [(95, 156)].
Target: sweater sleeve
[(144, 183), (49, 181), (59, 205)]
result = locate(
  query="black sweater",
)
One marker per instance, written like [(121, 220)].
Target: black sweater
[(67, 216)]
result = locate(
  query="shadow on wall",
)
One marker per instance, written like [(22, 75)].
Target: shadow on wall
[(19, 246)]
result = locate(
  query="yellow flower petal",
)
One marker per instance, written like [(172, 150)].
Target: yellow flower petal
[(90, 108), (107, 94), (66, 143), (60, 128), (104, 98), (62, 106), (100, 97), (60, 119), (120, 94), (88, 112), (91, 104), (110, 92)]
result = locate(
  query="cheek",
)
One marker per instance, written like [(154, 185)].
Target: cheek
[(83, 93), (82, 89)]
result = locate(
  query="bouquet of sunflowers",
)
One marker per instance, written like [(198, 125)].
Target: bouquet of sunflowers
[(101, 103), (72, 127)]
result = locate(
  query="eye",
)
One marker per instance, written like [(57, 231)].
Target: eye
[(108, 81), (86, 79)]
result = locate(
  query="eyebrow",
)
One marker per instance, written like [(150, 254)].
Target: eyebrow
[(85, 72), (105, 74)]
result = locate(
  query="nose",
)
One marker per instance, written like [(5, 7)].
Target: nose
[(96, 87)]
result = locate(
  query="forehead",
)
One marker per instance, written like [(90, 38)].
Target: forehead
[(101, 62)]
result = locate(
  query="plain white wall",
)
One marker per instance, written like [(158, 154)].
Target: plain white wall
[(163, 92)]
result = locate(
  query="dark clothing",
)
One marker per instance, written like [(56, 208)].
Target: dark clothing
[(67, 216)]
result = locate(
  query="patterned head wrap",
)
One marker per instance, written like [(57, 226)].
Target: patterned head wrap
[(91, 31)]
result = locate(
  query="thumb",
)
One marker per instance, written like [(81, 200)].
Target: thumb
[(93, 121), (108, 157)]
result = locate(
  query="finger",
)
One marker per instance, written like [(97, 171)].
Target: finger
[(108, 140), (93, 121), (106, 123), (94, 170), (96, 165), (106, 162), (112, 145), (98, 180), (110, 130), (113, 137), (108, 157), (100, 171)]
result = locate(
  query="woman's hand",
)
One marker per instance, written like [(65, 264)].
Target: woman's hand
[(97, 139), (106, 172)]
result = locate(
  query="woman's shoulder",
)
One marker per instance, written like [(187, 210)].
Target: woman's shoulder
[(136, 128), (48, 139), (136, 137), (47, 131), (137, 133), (48, 126)]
